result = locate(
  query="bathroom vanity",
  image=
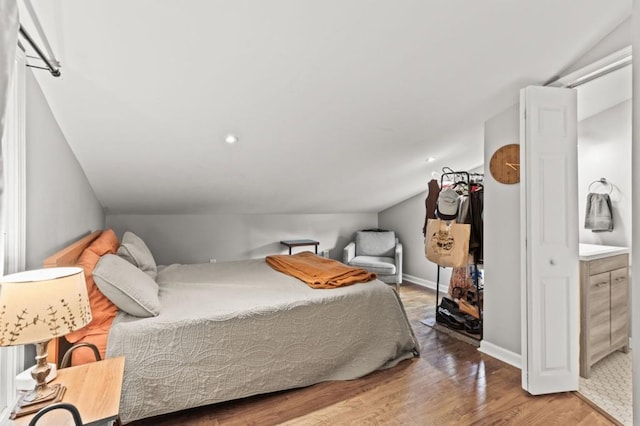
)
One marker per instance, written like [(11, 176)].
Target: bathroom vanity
[(604, 303)]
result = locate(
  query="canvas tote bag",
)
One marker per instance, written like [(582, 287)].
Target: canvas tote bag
[(447, 244)]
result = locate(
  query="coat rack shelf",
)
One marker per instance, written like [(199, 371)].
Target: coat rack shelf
[(465, 179)]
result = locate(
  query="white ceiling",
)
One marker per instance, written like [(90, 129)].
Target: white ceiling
[(337, 104)]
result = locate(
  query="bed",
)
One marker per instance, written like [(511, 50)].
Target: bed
[(234, 329)]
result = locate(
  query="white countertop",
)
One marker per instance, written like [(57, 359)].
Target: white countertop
[(593, 251)]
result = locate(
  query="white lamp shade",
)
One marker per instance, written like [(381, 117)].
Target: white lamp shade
[(38, 305)]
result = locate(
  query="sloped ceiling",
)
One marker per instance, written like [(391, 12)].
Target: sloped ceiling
[(336, 104)]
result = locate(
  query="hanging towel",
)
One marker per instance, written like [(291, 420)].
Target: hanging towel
[(599, 213)]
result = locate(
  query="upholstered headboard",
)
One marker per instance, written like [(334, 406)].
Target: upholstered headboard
[(68, 256)]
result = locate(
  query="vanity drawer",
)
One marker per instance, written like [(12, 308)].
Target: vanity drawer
[(608, 263)]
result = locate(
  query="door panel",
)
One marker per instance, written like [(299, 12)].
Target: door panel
[(553, 200), (619, 307), (556, 300), (550, 240), (599, 314)]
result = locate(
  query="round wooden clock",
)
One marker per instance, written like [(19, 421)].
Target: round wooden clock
[(505, 164)]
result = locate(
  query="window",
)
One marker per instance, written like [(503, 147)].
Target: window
[(12, 237)]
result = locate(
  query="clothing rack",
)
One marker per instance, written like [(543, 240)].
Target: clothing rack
[(464, 178), (471, 177), (457, 176)]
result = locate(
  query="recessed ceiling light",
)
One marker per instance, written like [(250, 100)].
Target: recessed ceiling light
[(231, 139), (430, 160)]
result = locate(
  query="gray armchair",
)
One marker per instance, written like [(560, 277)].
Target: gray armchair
[(376, 251)]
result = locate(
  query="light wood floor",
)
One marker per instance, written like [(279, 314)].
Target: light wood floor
[(450, 384)]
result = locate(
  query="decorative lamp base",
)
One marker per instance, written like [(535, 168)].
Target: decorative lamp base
[(24, 406)]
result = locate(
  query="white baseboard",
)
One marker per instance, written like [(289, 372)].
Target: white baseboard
[(507, 356), (501, 353), (425, 283)]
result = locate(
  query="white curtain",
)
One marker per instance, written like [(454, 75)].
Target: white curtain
[(9, 24), (11, 359)]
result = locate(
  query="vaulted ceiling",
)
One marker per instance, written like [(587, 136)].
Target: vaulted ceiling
[(336, 104)]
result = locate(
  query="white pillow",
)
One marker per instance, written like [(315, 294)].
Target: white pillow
[(135, 251), (128, 287)]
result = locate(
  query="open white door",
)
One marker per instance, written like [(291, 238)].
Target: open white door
[(549, 184)]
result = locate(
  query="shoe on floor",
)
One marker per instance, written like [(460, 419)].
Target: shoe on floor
[(444, 316), (473, 326), (450, 305), (470, 309)]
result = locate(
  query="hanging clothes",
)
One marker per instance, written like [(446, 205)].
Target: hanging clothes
[(470, 205), (460, 282), (464, 213), (477, 225), (466, 194), (430, 203)]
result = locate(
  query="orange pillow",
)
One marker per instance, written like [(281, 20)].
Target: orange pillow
[(102, 309), (86, 355)]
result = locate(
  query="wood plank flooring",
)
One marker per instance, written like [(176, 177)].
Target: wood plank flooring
[(451, 383)]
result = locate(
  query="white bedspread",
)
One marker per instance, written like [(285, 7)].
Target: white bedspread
[(235, 329)]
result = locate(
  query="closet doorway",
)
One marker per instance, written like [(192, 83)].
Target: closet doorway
[(604, 160), (604, 169)]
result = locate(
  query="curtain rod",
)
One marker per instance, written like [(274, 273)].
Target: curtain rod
[(53, 69), (40, 31)]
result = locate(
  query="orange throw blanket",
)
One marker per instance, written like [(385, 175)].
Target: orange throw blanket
[(319, 272)]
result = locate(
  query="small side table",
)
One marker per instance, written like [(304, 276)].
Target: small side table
[(93, 388), (300, 243)]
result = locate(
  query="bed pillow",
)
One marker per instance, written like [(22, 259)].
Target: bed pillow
[(103, 310), (84, 355), (132, 290), (136, 252)]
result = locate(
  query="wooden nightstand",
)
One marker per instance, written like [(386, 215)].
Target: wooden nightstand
[(93, 388)]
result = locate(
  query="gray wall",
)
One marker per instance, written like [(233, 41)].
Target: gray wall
[(407, 219), (196, 238), (61, 205), (604, 150), (501, 241)]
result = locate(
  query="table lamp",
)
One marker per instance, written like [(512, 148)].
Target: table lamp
[(35, 307)]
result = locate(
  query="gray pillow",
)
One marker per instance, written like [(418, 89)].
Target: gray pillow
[(135, 251), (130, 289)]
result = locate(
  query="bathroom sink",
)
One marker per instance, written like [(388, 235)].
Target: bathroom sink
[(595, 251)]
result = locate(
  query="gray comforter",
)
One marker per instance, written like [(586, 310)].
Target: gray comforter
[(235, 329)]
